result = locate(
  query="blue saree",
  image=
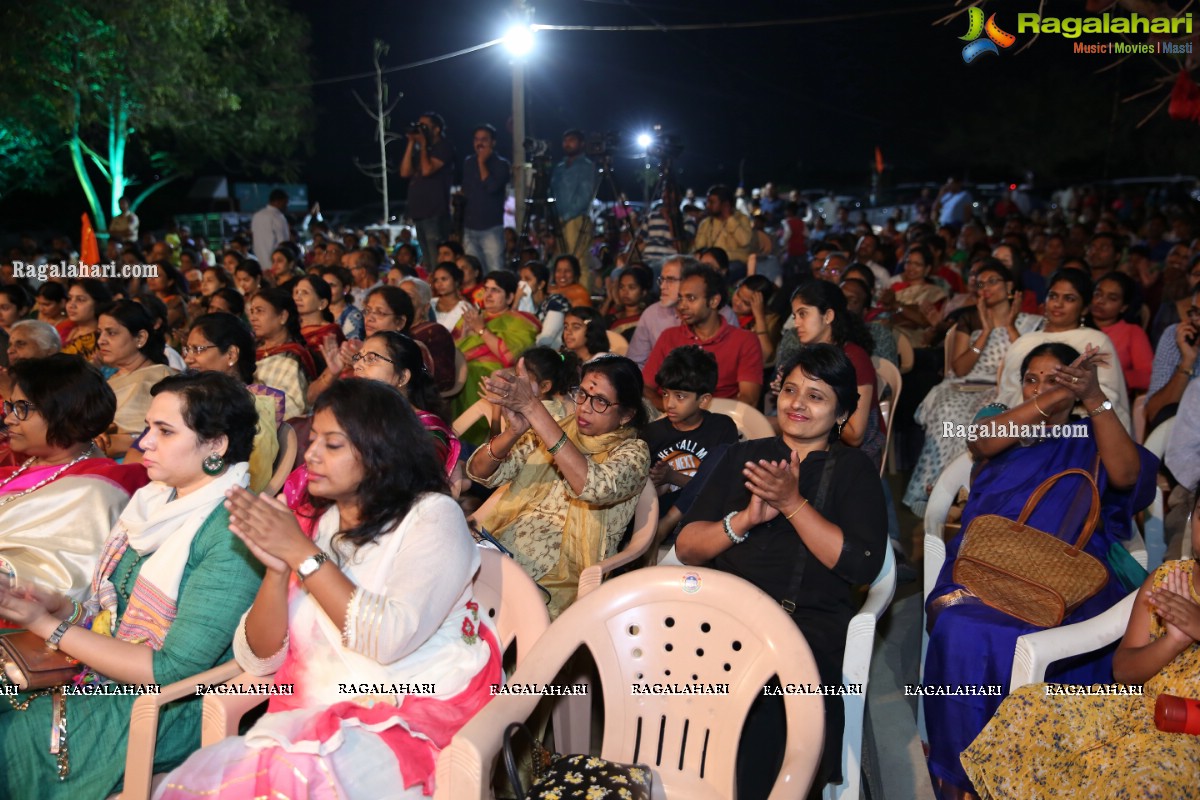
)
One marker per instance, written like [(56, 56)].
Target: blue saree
[(972, 644)]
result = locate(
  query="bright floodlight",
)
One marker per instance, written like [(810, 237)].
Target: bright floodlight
[(644, 140), (519, 39)]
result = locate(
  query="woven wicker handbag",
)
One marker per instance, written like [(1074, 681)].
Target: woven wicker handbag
[(1026, 573)]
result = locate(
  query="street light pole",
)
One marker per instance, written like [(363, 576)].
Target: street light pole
[(518, 112)]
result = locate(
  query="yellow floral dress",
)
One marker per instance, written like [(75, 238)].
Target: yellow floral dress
[(1094, 746)]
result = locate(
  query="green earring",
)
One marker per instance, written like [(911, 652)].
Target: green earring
[(213, 464)]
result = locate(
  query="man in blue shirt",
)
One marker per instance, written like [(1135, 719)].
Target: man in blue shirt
[(953, 203), (485, 185), (572, 185)]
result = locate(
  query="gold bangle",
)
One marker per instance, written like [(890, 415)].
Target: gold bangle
[(797, 511), (1039, 408), (490, 454)]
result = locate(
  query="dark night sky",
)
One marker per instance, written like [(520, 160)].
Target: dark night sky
[(803, 105)]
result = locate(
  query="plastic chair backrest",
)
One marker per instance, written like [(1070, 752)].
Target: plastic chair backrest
[(1139, 418), (641, 543), (511, 601), (948, 352), (460, 374), (480, 409), (887, 374), (617, 343), (750, 422), (1156, 442), (690, 625), (904, 350), (285, 459)]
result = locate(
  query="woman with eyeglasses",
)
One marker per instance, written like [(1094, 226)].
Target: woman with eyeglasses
[(570, 487), (490, 340), (437, 340), (59, 504), (395, 359), (977, 348), (385, 308), (170, 584), (284, 361)]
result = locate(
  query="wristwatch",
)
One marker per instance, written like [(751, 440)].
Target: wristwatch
[(54, 638), (311, 564), (1100, 409)]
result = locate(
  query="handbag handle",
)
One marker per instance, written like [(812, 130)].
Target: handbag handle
[(510, 758), (1089, 525)]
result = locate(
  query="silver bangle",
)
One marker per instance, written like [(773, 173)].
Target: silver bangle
[(733, 537), (976, 350)]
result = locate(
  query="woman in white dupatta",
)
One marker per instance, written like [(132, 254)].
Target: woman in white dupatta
[(166, 595), (372, 627)]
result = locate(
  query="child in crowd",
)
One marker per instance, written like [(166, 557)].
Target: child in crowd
[(688, 435)]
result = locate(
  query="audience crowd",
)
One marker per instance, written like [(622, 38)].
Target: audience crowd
[(287, 449)]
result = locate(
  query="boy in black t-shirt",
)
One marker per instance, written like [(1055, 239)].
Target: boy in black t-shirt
[(688, 434)]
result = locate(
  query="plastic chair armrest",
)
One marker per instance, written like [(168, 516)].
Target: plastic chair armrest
[(143, 727), (222, 713), (1035, 652), (934, 558)]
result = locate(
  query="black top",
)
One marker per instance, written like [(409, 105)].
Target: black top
[(429, 196), (685, 451), (485, 198), (769, 556)]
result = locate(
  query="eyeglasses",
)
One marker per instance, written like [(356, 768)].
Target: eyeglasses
[(372, 312), (21, 408), (665, 279), (370, 358), (188, 349), (989, 282), (599, 404)]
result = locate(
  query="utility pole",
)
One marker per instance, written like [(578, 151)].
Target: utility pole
[(381, 115), (518, 112)]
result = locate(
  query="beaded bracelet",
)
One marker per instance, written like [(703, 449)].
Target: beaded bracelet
[(733, 537), (76, 612), (562, 440)]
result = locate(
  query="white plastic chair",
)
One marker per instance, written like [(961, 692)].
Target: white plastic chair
[(1139, 418), (856, 669), (642, 543), (617, 343), (904, 350), (1036, 651), (887, 374), (460, 374), (664, 625), (480, 409), (750, 422), (285, 459)]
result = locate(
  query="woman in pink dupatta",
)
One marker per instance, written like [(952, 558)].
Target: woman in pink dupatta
[(372, 625)]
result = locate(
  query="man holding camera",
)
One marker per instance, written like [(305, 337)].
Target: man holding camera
[(572, 185), (428, 163), (485, 187)]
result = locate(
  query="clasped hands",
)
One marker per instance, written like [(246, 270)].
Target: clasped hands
[(269, 529), (774, 489), (1174, 605), (31, 606), (514, 394)]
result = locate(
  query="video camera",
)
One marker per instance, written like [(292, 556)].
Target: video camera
[(664, 146), (602, 143), (535, 148), (417, 126)]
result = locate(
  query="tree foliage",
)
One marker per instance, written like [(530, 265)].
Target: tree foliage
[(134, 93)]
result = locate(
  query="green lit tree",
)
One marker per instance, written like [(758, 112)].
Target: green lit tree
[(134, 94)]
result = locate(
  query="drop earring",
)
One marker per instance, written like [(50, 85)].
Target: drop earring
[(213, 464)]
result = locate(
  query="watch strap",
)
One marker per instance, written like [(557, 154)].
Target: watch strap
[(311, 564), (53, 639)]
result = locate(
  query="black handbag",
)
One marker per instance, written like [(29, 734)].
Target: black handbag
[(569, 777)]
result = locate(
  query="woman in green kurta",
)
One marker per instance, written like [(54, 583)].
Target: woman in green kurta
[(490, 341), (170, 587)]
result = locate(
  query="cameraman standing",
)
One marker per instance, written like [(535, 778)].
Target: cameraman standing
[(429, 163), (572, 185)]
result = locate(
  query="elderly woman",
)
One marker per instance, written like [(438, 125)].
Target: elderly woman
[(28, 339), (571, 486), (382, 595), (59, 504), (971, 643), (909, 299), (132, 345), (802, 517), (165, 599), (435, 337)]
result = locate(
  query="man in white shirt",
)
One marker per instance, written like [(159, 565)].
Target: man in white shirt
[(269, 226)]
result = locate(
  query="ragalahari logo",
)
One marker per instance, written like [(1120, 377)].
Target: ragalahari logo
[(996, 38)]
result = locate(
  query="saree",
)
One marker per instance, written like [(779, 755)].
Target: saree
[(314, 336), (372, 705), (133, 396), (1050, 746), (973, 644), (84, 345), (300, 352), (440, 346), (53, 535), (555, 533), (517, 333)]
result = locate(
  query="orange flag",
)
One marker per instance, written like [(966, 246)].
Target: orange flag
[(878, 160), (89, 248)]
